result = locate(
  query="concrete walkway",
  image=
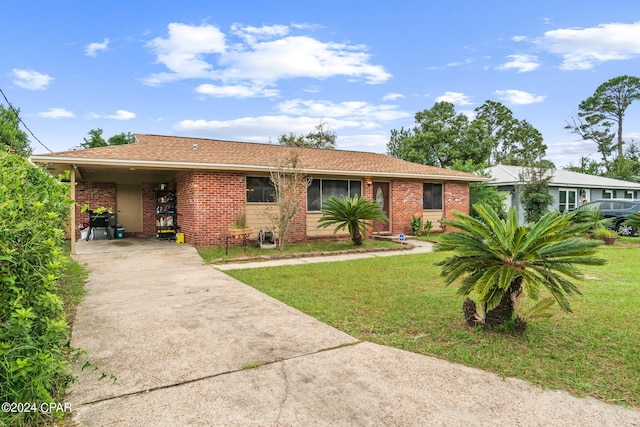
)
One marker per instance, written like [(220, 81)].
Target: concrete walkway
[(420, 247), (191, 346)]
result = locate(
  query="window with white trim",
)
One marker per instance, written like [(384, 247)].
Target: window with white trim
[(567, 199)]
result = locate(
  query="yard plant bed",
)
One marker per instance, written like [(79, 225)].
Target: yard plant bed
[(218, 255), (402, 302)]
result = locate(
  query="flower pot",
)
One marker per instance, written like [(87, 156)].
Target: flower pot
[(235, 232), (609, 240)]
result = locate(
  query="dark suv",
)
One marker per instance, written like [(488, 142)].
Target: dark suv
[(619, 209)]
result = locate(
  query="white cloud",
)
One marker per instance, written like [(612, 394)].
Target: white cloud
[(253, 34), (56, 113), (235, 91), (518, 38), (300, 116), (392, 96), (92, 49), (583, 48), (29, 79), (519, 97), (352, 110), (455, 98), (521, 63), (183, 51), (262, 56), (459, 63), (121, 115)]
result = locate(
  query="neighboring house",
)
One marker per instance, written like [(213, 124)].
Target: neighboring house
[(214, 179), (568, 189)]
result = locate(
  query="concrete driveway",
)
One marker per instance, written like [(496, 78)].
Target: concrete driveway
[(191, 346)]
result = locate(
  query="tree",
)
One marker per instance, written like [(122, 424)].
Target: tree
[(534, 191), (513, 142), (610, 102), (440, 137), (356, 215), (499, 122), (289, 183), (593, 129), (121, 139), (500, 263), (320, 137), (96, 139), (11, 137), (600, 119), (587, 165), (481, 191)]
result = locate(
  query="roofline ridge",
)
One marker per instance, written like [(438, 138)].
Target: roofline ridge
[(264, 143)]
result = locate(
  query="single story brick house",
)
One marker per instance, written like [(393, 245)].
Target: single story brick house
[(213, 179)]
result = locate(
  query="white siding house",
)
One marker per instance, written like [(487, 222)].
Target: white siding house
[(568, 189)]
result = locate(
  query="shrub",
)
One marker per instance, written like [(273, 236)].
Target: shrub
[(34, 334), (356, 215)]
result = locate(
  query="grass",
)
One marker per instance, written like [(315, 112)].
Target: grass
[(218, 254), (71, 288), (402, 302)]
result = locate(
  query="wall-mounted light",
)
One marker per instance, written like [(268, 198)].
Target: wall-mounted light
[(583, 193), (368, 181)]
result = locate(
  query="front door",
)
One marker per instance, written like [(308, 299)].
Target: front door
[(129, 205), (381, 197)]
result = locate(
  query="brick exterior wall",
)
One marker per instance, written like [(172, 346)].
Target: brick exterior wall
[(406, 201), (94, 194), (149, 209), (456, 198), (298, 227), (207, 202)]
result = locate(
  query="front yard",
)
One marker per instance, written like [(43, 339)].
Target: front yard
[(401, 301)]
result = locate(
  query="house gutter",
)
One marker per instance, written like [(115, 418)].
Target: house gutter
[(154, 164)]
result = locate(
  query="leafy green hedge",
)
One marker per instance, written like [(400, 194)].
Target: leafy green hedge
[(34, 337)]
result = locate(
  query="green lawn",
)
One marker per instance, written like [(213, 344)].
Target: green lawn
[(401, 301)]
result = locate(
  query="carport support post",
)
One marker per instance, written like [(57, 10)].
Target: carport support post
[(72, 216)]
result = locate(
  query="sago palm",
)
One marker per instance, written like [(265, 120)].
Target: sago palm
[(501, 262), (355, 214), (632, 223)]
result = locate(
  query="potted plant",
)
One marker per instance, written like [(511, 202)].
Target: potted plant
[(608, 236), (99, 210), (240, 226)]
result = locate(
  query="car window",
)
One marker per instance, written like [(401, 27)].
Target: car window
[(627, 205), (616, 205), (605, 205)]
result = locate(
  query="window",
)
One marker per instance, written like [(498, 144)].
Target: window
[(609, 194), (568, 198), (322, 189), (628, 194), (260, 189), (431, 196)]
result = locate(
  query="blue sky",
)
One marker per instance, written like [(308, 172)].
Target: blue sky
[(250, 71)]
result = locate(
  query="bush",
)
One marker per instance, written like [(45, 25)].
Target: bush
[(34, 334)]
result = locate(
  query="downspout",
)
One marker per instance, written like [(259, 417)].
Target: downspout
[(72, 217)]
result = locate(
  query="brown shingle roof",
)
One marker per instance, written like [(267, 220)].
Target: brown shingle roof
[(178, 152)]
